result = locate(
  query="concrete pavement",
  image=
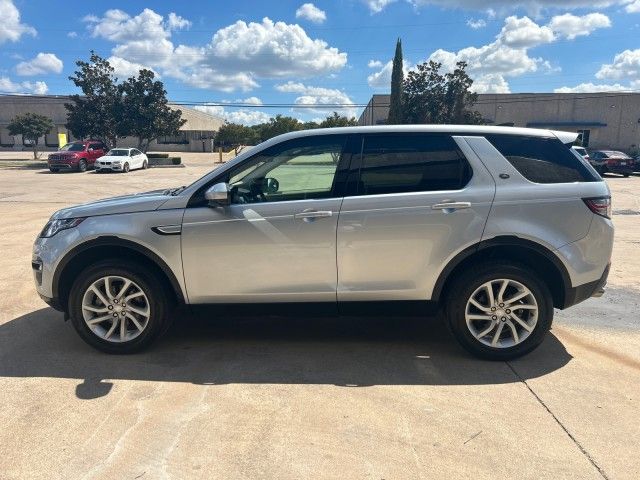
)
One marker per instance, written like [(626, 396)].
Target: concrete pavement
[(379, 398)]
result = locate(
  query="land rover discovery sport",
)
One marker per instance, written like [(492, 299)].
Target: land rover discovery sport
[(497, 225)]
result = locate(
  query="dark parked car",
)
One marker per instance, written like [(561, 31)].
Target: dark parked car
[(612, 161), (77, 156)]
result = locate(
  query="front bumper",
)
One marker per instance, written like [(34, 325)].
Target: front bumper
[(63, 166), (108, 167)]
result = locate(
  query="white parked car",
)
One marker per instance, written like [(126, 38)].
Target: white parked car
[(122, 160)]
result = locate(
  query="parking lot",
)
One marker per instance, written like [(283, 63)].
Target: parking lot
[(379, 398)]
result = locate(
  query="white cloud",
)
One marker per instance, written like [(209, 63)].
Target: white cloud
[(625, 65), (251, 101), (243, 116), (235, 58), (272, 49), (312, 13), (374, 64), (41, 64), (124, 68), (591, 88), (8, 86), (11, 28), (633, 6), (376, 6), (476, 24), (176, 22), (533, 6), (72, 34), (572, 26), (490, 83), (309, 96), (524, 33), (382, 78)]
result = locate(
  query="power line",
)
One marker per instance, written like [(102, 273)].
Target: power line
[(515, 98)]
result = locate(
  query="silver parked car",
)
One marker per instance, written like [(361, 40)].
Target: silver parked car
[(497, 225)]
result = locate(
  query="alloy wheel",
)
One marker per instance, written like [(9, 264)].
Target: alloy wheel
[(501, 313), (116, 309)]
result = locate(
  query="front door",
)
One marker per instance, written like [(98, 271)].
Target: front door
[(414, 201), (276, 242)]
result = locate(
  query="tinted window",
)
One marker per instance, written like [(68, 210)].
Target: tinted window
[(297, 170), (542, 160), (411, 163)]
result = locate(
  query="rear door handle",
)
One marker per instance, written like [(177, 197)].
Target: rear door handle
[(451, 206), (310, 214)]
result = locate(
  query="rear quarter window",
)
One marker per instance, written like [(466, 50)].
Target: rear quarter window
[(543, 160)]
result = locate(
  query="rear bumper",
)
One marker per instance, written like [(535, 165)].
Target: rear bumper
[(581, 293), (619, 169)]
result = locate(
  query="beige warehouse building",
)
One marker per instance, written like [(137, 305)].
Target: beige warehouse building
[(605, 120), (195, 136)]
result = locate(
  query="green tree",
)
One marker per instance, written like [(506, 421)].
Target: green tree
[(144, 110), (396, 115), (430, 97), (236, 136), (336, 120), (31, 126), (278, 125), (310, 125), (95, 113)]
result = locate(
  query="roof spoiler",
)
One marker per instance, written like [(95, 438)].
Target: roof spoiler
[(565, 137)]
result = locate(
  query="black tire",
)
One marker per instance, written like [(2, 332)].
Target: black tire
[(125, 167), (145, 165), (461, 290), (82, 166), (54, 170), (626, 175), (158, 298)]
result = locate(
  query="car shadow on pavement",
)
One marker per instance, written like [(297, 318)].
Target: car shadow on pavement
[(345, 351)]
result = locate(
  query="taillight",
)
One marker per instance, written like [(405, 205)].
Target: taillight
[(600, 206), (612, 161)]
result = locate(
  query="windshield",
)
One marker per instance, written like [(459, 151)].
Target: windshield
[(72, 147), (118, 153)]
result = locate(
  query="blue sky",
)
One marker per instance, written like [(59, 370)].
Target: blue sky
[(338, 52)]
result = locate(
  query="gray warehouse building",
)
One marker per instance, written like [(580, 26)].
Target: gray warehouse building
[(604, 120), (195, 136)]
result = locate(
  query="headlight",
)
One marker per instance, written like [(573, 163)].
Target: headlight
[(54, 226)]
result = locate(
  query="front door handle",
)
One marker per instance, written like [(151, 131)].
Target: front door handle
[(311, 214), (451, 206)]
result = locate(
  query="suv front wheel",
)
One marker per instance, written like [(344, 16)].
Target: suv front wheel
[(499, 311), (118, 307)]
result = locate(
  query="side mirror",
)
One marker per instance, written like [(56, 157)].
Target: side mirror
[(218, 194)]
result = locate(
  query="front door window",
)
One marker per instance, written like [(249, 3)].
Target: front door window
[(303, 169)]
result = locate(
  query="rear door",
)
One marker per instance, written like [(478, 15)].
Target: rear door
[(95, 151), (413, 202)]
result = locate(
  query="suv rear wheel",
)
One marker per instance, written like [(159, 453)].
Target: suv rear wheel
[(82, 166), (499, 311), (118, 307)]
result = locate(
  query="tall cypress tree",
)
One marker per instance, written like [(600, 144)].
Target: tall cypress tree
[(396, 114)]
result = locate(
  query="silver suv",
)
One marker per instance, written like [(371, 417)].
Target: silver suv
[(497, 225)]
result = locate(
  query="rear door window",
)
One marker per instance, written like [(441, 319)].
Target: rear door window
[(543, 160), (397, 163)]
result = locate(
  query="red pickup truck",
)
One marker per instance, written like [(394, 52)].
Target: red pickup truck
[(77, 156)]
